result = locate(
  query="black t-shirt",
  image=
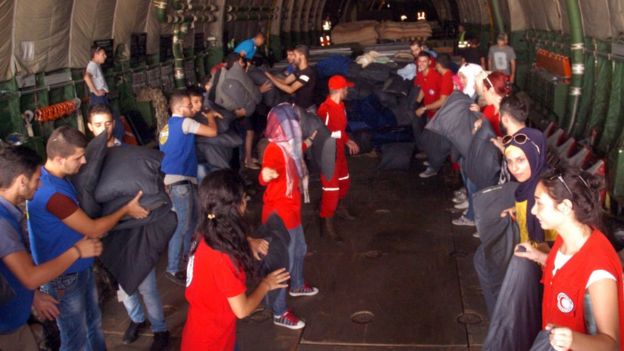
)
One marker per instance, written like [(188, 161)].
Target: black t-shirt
[(304, 96), (472, 55)]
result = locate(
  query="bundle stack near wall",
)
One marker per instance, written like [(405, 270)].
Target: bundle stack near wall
[(363, 32), (389, 30)]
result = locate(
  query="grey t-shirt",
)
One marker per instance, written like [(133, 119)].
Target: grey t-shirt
[(10, 240), (501, 58), (97, 76)]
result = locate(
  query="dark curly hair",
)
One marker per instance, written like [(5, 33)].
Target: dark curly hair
[(221, 223), (580, 188)]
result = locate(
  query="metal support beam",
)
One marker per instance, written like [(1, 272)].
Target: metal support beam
[(577, 48), (498, 17)]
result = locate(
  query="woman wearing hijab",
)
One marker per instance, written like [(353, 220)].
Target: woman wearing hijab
[(525, 153), (467, 74), (283, 169)]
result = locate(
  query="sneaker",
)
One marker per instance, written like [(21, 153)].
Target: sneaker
[(426, 163), (132, 332), (288, 320), (161, 341), (462, 205), (178, 278), (252, 165), (463, 221), (305, 290), (429, 172), (420, 156), (459, 198), (476, 235)]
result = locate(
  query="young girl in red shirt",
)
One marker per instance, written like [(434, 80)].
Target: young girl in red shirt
[(583, 305), (217, 269), (283, 168)]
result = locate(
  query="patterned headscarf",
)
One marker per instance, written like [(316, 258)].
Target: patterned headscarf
[(283, 130)]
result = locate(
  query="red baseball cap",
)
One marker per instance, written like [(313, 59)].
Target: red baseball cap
[(338, 82)]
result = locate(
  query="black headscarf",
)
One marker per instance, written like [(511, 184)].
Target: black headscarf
[(535, 151)]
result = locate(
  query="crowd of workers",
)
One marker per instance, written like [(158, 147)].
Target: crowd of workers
[(211, 252)]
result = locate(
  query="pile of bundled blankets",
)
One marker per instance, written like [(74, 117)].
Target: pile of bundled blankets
[(370, 32), (380, 107)]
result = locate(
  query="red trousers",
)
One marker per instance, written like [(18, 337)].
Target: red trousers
[(335, 189)]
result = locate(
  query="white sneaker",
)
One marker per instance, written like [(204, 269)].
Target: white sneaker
[(463, 221), (426, 163), (476, 235), (462, 205), (429, 172), (461, 191), (459, 199)]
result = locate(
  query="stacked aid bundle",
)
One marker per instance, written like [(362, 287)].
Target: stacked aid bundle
[(362, 32), (389, 30)]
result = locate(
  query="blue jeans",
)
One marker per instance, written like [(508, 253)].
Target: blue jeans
[(80, 321), (149, 290), (471, 189), (118, 131), (184, 198), (203, 169), (297, 249)]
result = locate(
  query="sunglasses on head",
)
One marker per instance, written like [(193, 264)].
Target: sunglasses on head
[(559, 177), (520, 139)]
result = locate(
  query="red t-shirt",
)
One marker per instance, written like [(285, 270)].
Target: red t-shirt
[(493, 117), (212, 279), (564, 293), (433, 85), (275, 199)]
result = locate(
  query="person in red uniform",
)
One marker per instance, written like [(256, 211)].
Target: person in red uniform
[(332, 112), (283, 168), (215, 287), (435, 87), (496, 86), (583, 305)]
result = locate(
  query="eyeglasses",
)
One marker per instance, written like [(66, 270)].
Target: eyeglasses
[(520, 139)]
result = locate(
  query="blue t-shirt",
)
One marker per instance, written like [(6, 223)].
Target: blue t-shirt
[(49, 236), (15, 312), (248, 46)]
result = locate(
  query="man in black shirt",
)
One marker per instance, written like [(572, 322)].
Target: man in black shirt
[(473, 53), (301, 83)]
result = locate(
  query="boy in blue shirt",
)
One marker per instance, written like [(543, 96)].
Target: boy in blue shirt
[(177, 142), (55, 224), (19, 179), (247, 48)]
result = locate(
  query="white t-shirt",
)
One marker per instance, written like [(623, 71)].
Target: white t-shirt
[(97, 76), (597, 275)]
